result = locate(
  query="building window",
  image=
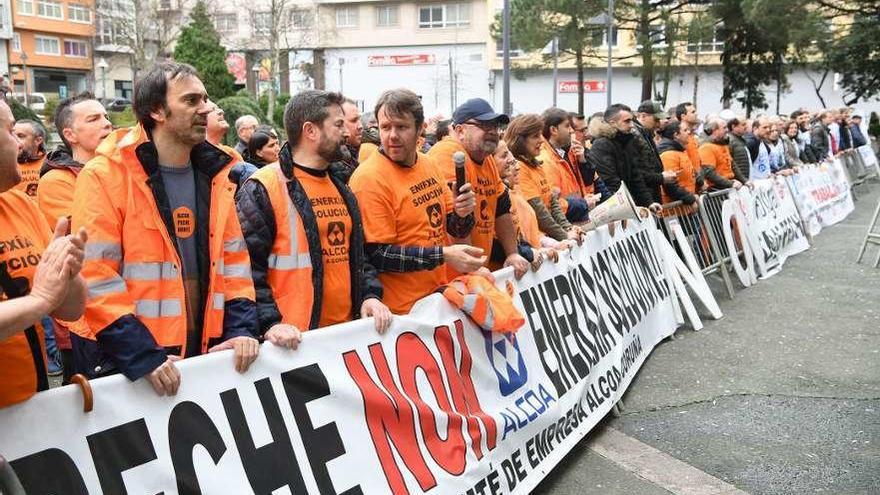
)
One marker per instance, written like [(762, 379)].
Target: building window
[(261, 23), (226, 23), (74, 48), (386, 15), (44, 45), (346, 17), (124, 89), (515, 51), (600, 37), (712, 44), (301, 18), (50, 9), (104, 31), (16, 42), (25, 7), (79, 13), (445, 15)]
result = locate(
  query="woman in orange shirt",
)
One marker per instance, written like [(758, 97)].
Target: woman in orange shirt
[(523, 137)]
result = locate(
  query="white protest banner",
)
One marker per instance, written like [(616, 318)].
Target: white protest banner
[(774, 225), (434, 405), (822, 195)]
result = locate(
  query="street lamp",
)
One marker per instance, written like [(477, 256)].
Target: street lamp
[(102, 64)]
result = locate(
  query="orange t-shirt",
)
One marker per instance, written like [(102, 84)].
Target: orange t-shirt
[(30, 176), (718, 157), (55, 197), (404, 206), (365, 151), (486, 181), (334, 228), (26, 236), (533, 183), (526, 220)]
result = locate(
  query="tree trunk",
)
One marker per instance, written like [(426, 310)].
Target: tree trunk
[(579, 62), (749, 84), (647, 51), (696, 75)]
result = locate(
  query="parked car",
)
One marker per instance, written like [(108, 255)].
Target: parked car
[(36, 101), (116, 104)]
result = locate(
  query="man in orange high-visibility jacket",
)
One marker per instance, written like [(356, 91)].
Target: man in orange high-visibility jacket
[(304, 231), (82, 124), (716, 158), (476, 132), (31, 153), (39, 275), (168, 269)]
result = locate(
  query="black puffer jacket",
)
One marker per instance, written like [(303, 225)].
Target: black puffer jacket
[(258, 225), (649, 162), (617, 160), (60, 159)]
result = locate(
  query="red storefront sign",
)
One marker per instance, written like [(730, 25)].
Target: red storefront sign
[(589, 86), (383, 60)]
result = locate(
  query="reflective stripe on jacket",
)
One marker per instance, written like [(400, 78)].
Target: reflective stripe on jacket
[(136, 299)]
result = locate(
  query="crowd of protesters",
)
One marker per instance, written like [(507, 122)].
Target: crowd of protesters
[(125, 250)]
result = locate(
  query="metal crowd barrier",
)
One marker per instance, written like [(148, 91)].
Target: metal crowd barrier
[(854, 166), (703, 234)]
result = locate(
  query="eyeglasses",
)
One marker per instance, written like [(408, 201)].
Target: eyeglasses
[(491, 126)]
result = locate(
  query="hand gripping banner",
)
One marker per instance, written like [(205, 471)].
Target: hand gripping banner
[(436, 405)]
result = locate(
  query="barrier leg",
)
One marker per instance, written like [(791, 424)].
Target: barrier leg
[(870, 235), (712, 230)]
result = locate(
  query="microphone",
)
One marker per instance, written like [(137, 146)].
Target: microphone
[(458, 159)]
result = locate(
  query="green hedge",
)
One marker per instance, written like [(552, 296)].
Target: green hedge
[(236, 106)]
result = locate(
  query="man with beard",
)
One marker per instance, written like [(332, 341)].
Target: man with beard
[(564, 176), (476, 132), (82, 124), (615, 150), (355, 129), (411, 213), (31, 154), (739, 149), (648, 118), (805, 146), (304, 231), (167, 267), (715, 156)]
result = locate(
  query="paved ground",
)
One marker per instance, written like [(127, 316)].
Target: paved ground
[(781, 396)]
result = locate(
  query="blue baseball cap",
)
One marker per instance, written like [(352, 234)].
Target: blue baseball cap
[(479, 110)]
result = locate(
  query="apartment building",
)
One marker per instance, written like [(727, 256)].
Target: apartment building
[(51, 46), (5, 36)]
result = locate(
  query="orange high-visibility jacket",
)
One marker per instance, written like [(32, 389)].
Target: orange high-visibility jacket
[(560, 172), (136, 303), (718, 157), (677, 161)]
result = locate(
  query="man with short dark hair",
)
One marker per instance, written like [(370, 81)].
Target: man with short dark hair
[(804, 142), (411, 212), (820, 136), (575, 200), (647, 124), (82, 124), (761, 161), (739, 148), (616, 153), (855, 128), (304, 230), (476, 132), (31, 154), (355, 131), (167, 266)]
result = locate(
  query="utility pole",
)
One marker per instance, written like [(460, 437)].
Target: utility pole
[(505, 36), (609, 40)]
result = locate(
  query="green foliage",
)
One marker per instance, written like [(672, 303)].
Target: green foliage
[(855, 56), (199, 45), (124, 118), (278, 113), (534, 23), (233, 108), (49, 110), (21, 112)]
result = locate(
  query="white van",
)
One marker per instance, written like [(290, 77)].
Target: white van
[(36, 101)]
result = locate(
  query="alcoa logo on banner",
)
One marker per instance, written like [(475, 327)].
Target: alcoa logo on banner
[(510, 368)]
